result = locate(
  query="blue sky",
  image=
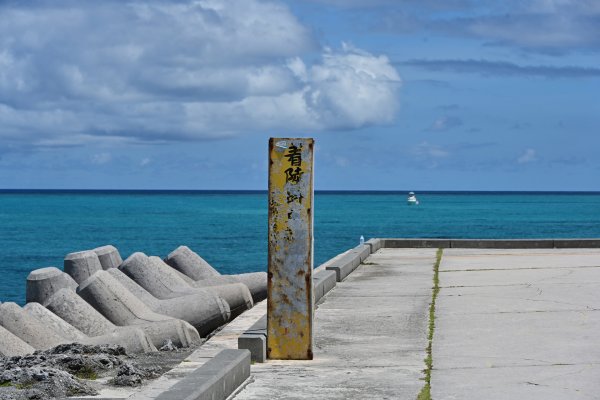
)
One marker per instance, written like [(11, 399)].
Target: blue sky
[(398, 94)]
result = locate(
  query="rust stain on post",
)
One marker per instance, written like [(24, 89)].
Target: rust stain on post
[(290, 297)]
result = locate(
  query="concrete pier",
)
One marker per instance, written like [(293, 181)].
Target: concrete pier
[(517, 324), (370, 336), (507, 319), (510, 323)]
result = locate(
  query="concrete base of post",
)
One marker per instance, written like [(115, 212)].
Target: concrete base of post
[(122, 308)]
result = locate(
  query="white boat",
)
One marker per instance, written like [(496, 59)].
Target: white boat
[(412, 199)]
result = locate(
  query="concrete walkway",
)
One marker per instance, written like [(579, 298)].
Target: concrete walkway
[(510, 324), (370, 336), (517, 324)]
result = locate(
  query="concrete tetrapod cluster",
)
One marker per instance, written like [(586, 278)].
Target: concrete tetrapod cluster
[(141, 303)]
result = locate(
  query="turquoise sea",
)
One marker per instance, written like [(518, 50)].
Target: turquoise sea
[(229, 229)]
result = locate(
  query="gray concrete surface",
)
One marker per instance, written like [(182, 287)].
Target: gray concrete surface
[(216, 379), (235, 293), (11, 345), (256, 344), (109, 256), (103, 292), (82, 264), (490, 243), (77, 312), (323, 282), (205, 311), (28, 328), (42, 283), (348, 261), (189, 263), (517, 324), (255, 340), (370, 336), (164, 282), (69, 332)]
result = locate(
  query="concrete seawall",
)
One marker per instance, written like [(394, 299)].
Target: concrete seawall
[(491, 243), (356, 282)]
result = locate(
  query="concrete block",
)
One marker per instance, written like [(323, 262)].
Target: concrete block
[(577, 243), (416, 243), (375, 244), (237, 295), (254, 339), (108, 256), (230, 289), (256, 344), (82, 264), (44, 282), (502, 243), (161, 283), (349, 261), (218, 378), (363, 251), (11, 345), (191, 264), (122, 308), (259, 327), (28, 328), (68, 331), (76, 311), (164, 282), (55, 323), (323, 282), (256, 282), (204, 310)]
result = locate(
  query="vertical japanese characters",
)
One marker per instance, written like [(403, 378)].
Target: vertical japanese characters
[(290, 299)]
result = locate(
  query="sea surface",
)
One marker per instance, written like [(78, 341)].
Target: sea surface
[(229, 229)]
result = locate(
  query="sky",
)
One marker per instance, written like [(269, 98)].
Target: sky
[(398, 94)]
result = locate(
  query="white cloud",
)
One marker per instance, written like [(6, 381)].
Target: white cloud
[(527, 157), (445, 123), (102, 158), (72, 72), (429, 155), (430, 150)]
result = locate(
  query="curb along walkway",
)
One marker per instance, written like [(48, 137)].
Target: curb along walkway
[(517, 324), (370, 336)]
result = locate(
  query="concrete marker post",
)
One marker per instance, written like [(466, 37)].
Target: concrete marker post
[(290, 297)]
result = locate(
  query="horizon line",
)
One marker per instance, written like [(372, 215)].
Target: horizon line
[(355, 191)]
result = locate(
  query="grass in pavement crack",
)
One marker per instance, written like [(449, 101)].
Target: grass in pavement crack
[(425, 393)]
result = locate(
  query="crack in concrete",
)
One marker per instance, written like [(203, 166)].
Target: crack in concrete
[(517, 268)]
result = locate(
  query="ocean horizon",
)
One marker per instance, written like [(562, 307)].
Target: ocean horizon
[(228, 228)]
